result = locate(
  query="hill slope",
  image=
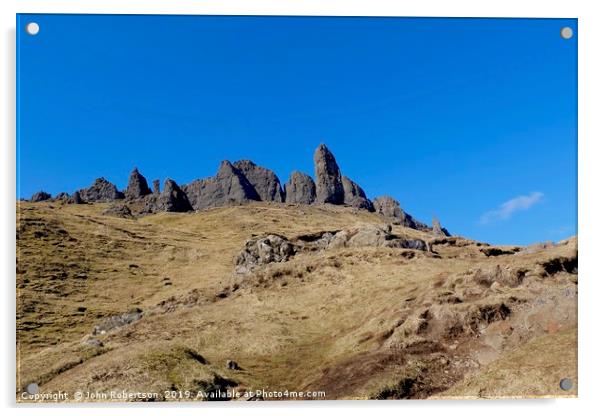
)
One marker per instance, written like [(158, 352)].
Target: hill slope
[(151, 304)]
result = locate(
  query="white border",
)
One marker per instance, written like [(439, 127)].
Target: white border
[(590, 210)]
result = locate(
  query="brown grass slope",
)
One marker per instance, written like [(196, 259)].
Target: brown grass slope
[(363, 322)]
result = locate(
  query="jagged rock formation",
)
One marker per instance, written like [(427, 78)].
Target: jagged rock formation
[(137, 186), (40, 196), (229, 186), (242, 182), (300, 189), (355, 195), (101, 191), (390, 208), (329, 185), (264, 181), (172, 199)]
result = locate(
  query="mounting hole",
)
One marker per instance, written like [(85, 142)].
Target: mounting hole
[(566, 384), (32, 28), (32, 388), (566, 32)]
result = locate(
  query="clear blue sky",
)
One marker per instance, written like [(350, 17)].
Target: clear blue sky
[(472, 120)]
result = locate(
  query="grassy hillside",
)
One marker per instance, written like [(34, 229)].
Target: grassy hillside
[(362, 322)]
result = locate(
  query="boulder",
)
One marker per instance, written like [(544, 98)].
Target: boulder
[(355, 195), (40, 196), (262, 250), (264, 181), (100, 191), (156, 187), (137, 186), (228, 187), (329, 185), (300, 189)]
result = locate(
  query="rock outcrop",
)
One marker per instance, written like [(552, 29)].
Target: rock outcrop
[(263, 250), (329, 185), (228, 187), (156, 187), (76, 198), (300, 189), (118, 210), (40, 196), (368, 236), (274, 248), (437, 229), (264, 181), (355, 195), (390, 208), (61, 197), (137, 186), (172, 199), (101, 191)]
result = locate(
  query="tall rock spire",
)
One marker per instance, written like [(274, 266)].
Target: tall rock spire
[(329, 185)]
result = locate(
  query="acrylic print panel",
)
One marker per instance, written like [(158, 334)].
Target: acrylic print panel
[(295, 208)]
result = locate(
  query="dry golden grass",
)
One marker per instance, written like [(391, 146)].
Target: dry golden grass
[(354, 322)]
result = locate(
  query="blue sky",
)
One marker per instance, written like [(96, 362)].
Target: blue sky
[(471, 120)]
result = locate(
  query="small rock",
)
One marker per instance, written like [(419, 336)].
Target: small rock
[(232, 365)]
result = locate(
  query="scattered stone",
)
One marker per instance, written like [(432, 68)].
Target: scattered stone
[(232, 365), (300, 189), (264, 181), (40, 196), (118, 321), (228, 187), (100, 191), (355, 195), (118, 210), (137, 186), (329, 185)]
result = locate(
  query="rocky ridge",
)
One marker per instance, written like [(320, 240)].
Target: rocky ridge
[(242, 182)]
